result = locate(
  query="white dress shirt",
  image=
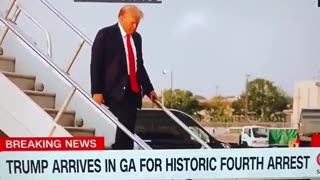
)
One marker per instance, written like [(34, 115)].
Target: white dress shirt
[(124, 38)]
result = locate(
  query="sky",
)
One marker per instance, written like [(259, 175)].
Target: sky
[(209, 45)]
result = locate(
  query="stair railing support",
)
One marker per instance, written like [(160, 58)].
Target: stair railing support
[(14, 19), (61, 110), (74, 57)]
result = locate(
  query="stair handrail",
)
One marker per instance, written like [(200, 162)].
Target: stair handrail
[(84, 38), (181, 124), (48, 37), (20, 9), (66, 21), (48, 60)]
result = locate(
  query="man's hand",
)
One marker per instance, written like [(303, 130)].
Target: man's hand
[(153, 96), (98, 98)]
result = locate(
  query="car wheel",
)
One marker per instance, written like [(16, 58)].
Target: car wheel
[(244, 145)]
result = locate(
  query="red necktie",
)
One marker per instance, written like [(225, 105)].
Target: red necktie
[(132, 69)]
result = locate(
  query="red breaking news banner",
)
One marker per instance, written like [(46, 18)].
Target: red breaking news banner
[(315, 140), (52, 144)]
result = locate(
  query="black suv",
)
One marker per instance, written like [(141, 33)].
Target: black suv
[(159, 131)]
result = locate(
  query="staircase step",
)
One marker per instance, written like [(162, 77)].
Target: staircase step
[(7, 63), (67, 118), (80, 131), (44, 100), (24, 82), (3, 135)]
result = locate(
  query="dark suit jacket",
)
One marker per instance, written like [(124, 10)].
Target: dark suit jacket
[(109, 74)]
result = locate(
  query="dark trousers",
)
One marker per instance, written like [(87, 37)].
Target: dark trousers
[(126, 112)]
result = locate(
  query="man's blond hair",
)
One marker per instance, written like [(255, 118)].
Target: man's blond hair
[(131, 9)]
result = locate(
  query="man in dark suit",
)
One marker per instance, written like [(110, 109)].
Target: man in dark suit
[(118, 76)]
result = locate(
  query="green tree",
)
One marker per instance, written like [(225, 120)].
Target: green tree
[(219, 108), (181, 100), (264, 99)]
